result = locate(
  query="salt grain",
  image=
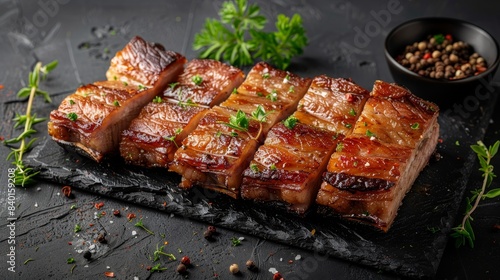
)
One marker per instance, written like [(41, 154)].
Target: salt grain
[(38, 189), (281, 259), (273, 270), (134, 233), (110, 222), (58, 194), (136, 278), (298, 257), (36, 204)]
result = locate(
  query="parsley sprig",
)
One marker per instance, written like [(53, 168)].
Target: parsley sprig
[(238, 37), (24, 175), (464, 233)]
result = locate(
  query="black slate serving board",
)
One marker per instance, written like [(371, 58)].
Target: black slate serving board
[(413, 247)]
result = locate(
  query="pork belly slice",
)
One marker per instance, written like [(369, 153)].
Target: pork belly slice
[(145, 64), (374, 167), (142, 70), (214, 155), (288, 167), (153, 137), (91, 119), (277, 91), (205, 82)]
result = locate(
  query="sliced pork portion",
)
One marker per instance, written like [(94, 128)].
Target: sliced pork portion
[(215, 154), (374, 167), (145, 64), (277, 91), (155, 135), (205, 82), (289, 166), (91, 120)]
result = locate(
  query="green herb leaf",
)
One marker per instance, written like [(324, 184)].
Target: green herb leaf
[(157, 99), (72, 116), (273, 96), (197, 79), (272, 167), (290, 122), (439, 38), (77, 228), (464, 234), (254, 167), (415, 126), (141, 225), (70, 260), (352, 112), (259, 114), (235, 242), (369, 133), (239, 121)]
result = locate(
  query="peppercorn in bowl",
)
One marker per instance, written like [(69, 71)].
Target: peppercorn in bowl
[(442, 59)]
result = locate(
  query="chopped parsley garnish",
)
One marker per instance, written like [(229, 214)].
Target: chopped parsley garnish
[(141, 87), (72, 116), (125, 83), (290, 122), (116, 103), (266, 76), (77, 228), (352, 112), (197, 80), (272, 167), (186, 103), (259, 114), (254, 168), (71, 102), (238, 122), (369, 133), (348, 125), (340, 147), (415, 126), (235, 91), (273, 96), (291, 89), (235, 241), (157, 99)]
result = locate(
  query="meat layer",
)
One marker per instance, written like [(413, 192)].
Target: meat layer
[(92, 119), (288, 167), (374, 167)]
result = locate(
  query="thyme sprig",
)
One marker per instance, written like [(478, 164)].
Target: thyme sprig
[(464, 233), (140, 224), (159, 251), (24, 175)]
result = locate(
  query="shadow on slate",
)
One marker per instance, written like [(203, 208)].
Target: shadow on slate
[(413, 246)]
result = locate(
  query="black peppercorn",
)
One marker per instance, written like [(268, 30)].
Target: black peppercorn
[(87, 255)]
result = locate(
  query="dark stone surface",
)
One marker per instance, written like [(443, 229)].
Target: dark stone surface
[(78, 35)]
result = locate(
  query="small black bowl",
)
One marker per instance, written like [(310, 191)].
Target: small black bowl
[(443, 92)]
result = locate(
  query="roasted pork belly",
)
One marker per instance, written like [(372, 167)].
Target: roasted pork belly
[(91, 120), (214, 155), (289, 166), (205, 82), (374, 167), (155, 135)]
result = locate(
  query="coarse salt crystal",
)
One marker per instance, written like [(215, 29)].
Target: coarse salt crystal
[(136, 278), (241, 238), (107, 267), (281, 259), (134, 233), (373, 138), (273, 270), (367, 164), (298, 257), (111, 222), (38, 189), (36, 204), (58, 194)]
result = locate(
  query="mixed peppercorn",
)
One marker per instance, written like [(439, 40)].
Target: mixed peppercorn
[(440, 57)]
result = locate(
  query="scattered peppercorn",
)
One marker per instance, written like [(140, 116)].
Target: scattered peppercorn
[(181, 269), (66, 190), (98, 205), (101, 238), (439, 57), (212, 229), (148, 268), (87, 255), (251, 265), (234, 268), (208, 235), (277, 276), (186, 261), (116, 213), (130, 216)]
